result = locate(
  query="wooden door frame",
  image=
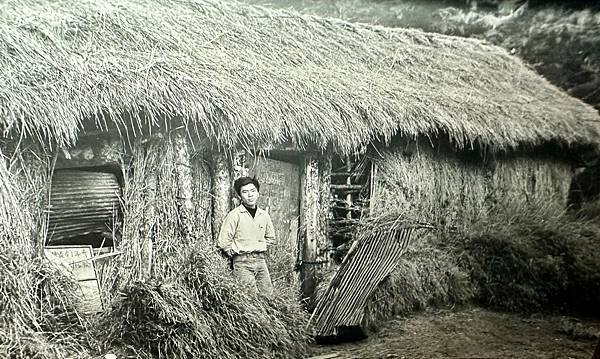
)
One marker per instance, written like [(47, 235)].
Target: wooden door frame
[(315, 180)]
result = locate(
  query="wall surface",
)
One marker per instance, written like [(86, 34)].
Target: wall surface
[(448, 189)]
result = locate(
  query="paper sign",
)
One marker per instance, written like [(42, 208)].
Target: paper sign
[(77, 259)]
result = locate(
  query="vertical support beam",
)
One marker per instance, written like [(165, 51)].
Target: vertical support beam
[(375, 186), (148, 181), (324, 208), (185, 191), (240, 169), (312, 231), (221, 192), (349, 183)]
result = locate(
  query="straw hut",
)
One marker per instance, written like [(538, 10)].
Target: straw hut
[(110, 109)]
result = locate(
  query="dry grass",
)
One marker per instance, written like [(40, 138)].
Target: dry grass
[(217, 64), (438, 188), (153, 233), (521, 180), (532, 258), (450, 191), (173, 294), (38, 301), (203, 312)]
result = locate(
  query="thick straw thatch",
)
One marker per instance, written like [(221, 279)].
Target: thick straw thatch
[(249, 75)]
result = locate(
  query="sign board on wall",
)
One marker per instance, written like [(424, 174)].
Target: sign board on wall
[(78, 260), (280, 195)]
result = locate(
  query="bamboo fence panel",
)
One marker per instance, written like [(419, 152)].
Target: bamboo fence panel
[(369, 261)]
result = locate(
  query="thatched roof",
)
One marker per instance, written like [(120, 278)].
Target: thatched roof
[(243, 74)]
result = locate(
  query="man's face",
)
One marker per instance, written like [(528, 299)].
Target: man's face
[(249, 195)]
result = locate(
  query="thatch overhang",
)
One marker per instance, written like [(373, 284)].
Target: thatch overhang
[(249, 75)]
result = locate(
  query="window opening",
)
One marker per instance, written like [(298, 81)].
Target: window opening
[(85, 207)]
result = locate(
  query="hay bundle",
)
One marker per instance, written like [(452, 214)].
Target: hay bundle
[(203, 312), (37, 300)]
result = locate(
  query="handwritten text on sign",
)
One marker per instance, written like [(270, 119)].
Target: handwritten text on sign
[(78, 260)]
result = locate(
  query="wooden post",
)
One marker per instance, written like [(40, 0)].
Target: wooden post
[(202, 192), (221, 192), (349, 184), (312, 231), (185, 192), (240, 169), (324, 204), (148, 206), (597, 351)]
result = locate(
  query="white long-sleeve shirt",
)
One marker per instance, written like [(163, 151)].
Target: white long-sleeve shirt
[(241, 233)]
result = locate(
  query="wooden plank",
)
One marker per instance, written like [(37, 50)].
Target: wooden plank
[(280, 196)]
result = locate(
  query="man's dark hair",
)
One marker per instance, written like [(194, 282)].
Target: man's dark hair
[(242, 181)]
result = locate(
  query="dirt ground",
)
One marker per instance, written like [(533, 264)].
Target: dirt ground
[(472, 333)]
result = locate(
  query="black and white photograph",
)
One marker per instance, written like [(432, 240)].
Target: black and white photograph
[(302, 179)]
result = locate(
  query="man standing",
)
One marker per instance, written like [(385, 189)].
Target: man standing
[(245, 234)]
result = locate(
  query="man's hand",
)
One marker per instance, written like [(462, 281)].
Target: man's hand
[(227, 253)]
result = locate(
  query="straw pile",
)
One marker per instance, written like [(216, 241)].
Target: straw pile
[(202, 312), (218, 64), (531, 258), (38, 301), (425, 277)]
